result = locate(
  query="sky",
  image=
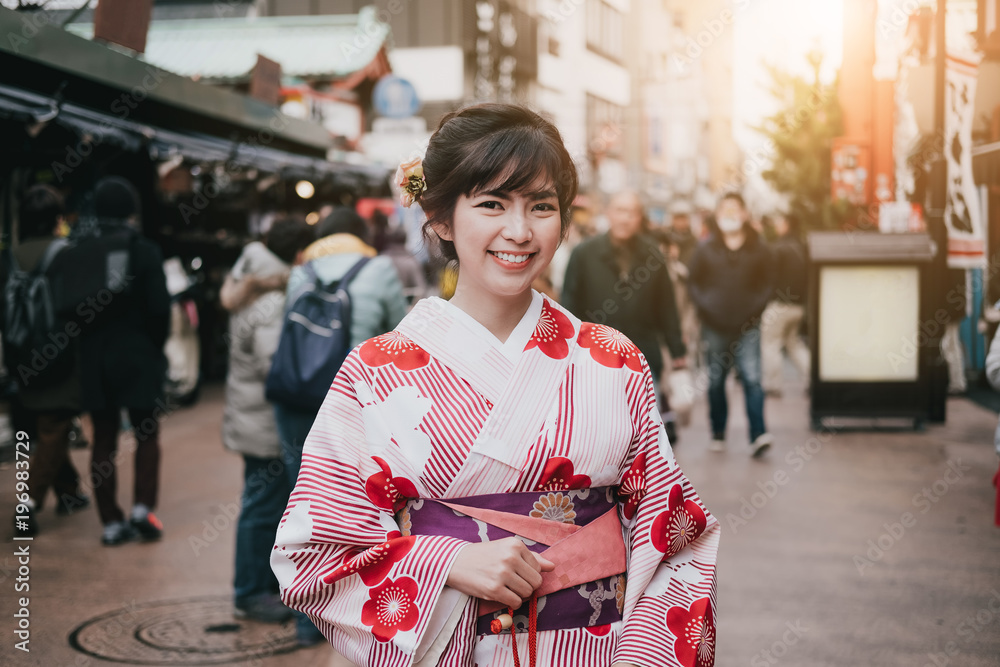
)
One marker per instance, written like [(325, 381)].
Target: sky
[(781, 32)]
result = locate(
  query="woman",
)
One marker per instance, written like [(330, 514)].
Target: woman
[(493, 415)]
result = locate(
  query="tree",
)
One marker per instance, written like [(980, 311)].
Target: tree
[(801, 134)]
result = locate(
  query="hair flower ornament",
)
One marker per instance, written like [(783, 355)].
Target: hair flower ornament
[(410, 179)]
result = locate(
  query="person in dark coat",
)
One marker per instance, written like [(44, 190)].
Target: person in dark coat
[(621, 279), (48, 409), (124, 330), (731, 282)]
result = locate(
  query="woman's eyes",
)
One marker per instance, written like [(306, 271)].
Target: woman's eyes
[(493, 205)]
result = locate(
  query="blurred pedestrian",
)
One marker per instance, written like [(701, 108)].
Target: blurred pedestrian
[(126, 322), (732, 279), (620, 278), (254, 295), (992, 368), (408, 268), (782, 319), (49, 398), (377, 306), (682, 234)]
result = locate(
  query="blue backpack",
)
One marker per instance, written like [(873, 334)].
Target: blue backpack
[(315, 340)]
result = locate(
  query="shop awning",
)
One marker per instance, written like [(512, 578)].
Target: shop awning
[(225, 50), (51, 76)]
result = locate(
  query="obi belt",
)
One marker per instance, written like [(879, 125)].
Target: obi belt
[(578, 530)]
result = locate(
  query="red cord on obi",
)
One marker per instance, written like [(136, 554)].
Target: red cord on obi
[(497, 626)]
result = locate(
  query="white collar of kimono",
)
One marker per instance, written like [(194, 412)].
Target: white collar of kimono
[(513, 347)]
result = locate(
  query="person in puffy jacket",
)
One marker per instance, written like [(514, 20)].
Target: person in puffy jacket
[(377, 306), (254, 295)]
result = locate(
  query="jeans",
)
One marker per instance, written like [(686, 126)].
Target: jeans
[(265, 494), (722, 352), (293, 427)]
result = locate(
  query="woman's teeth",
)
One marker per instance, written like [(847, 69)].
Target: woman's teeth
[(515, 259)]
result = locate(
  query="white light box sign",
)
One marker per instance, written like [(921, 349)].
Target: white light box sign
[(868, 323)]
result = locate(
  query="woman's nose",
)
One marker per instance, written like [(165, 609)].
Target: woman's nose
[(517, 228)]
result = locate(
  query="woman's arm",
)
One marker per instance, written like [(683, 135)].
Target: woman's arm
[(669, 615)]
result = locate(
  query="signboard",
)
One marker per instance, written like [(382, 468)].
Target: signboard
[(395, 97), (962, 213), (123, 22), (869, 317), (265, 83)]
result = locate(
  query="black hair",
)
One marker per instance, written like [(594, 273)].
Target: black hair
[(502, 147), (287, 237), (40, 209), (342, 220), (115, 199)]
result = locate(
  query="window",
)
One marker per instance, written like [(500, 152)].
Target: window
[(605, 30), (605, 124)]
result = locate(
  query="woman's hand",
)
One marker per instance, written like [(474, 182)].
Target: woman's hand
[(504, 571)]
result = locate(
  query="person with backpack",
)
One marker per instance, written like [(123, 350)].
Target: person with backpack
[(119, 287), (254, 295), (298, 383), (40, 352)]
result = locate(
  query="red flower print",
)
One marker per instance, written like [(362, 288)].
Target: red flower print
[(396, 349), (552, 333), (558, 476), (373, 564), (386, 491), (609, 347), (679, 526), (599, 630), (694, 632), (633, 486), (391, 608)]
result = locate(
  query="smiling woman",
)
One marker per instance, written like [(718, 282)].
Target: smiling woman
[(414, 534)]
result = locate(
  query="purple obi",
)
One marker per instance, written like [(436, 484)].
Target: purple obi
[(578, 530)]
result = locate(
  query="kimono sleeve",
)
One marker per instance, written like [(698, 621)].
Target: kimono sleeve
[(340, 556), (670, 607)]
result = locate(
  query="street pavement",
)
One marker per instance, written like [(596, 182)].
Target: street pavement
[(868, 546)]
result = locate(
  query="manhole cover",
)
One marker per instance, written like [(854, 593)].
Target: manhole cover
[(196, 631)]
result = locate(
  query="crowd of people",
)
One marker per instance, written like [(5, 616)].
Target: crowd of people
[(697, 298)]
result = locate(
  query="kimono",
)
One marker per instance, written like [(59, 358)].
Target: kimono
[(439, 409)]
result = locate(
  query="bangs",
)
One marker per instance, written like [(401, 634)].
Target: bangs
[(513, 160)]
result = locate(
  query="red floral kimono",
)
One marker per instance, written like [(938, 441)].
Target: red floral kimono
[(439, 408)]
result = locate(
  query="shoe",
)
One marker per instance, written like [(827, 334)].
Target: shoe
[(117, 532), (67, 503), (760, 445), (146, 524), (27, 527), (671, 428), (266, 608), (718, 443)]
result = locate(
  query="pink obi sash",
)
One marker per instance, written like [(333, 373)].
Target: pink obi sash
[(578, 530)]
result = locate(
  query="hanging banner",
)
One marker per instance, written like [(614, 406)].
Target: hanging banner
[(962, 212)]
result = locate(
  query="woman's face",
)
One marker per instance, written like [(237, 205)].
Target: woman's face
[(504, 240)]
